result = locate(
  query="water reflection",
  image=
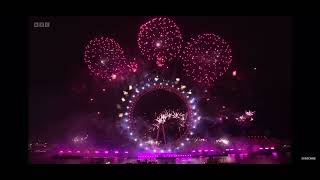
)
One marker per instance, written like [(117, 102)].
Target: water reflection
[(274, 158)]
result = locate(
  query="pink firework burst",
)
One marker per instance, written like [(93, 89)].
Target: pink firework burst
[(206, 58), (160, 40), (106, 60)]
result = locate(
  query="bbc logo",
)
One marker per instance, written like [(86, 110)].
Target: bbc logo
[(41, 24)]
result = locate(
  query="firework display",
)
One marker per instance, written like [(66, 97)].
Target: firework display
[(162, 97), (223, 141), (246, 117), (131, 96), (79, 139), (206, 58), (106, 59), (168, 114), (160, 40), (163, 118)]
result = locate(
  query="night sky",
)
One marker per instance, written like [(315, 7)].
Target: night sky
[(59, 82)]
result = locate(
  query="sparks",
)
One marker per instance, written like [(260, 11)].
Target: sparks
[(223, 141), (206, 58), (160, 39), (105, 59), (234, 73)]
